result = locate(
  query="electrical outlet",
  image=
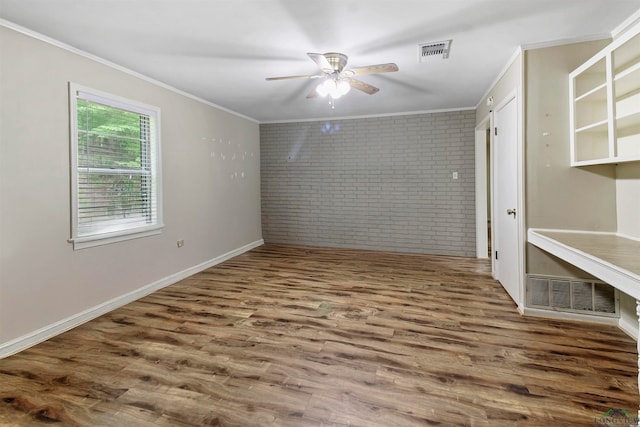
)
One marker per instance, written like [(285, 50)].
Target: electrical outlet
[(180, 243), (455, 175)]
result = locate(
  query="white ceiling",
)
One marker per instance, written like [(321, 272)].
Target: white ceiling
[(222, 50)]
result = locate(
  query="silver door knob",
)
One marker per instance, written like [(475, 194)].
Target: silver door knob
[(511, 212)]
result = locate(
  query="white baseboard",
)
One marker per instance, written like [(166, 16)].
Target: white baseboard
[(563, 315), (628, 327), (28, 340)]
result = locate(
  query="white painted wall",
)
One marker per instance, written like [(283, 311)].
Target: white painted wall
[(628, 217), (557, 195), (600, 198), (596, 198), (211, 171), (628, 199)]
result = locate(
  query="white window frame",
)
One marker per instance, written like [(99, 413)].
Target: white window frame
[(104, 237)]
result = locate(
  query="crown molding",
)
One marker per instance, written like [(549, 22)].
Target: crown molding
[(30, 33)]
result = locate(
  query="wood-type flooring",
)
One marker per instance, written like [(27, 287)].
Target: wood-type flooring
[(297, 336)]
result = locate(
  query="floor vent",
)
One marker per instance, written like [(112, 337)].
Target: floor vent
[(428, 50), (583, 296)]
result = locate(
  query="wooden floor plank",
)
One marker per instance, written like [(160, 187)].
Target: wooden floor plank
[(317, 337)]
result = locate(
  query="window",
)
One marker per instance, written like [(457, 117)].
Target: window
[(115, 168)]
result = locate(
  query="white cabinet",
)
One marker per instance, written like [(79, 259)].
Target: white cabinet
[(605, 104)]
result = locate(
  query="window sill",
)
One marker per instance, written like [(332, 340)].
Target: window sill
[(109, 238)]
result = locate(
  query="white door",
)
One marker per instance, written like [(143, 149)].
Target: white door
[(505, 179)]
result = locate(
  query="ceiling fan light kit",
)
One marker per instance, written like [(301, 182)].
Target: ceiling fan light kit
[(334, 88), (338, 81)]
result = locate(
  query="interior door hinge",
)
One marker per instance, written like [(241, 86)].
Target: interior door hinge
[(495, 131), (496, 254)]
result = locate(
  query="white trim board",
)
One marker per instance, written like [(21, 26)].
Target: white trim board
[(369, 116), (626, 24), (481, 187), (511, 61), (577, 317), (28, 340), (629, 327), (563, 42)]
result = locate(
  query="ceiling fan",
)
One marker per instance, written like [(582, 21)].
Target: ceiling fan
[(336, 80)]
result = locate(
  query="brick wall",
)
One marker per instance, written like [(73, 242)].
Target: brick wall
[(376, 183)]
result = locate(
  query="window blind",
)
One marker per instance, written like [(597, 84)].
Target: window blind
[(116, 167)]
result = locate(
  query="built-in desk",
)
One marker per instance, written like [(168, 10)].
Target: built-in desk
[(609, 257)]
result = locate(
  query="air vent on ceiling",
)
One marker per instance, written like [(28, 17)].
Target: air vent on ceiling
[(433, 49)]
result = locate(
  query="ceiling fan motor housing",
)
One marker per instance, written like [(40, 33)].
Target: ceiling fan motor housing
[(337, 60), (336, 81)]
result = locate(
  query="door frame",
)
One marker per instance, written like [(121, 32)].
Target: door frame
[(482, 185), (520, 190)]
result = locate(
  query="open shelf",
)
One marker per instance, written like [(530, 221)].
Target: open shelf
[(591, 109), (627, 81), (591, 146), (599, 126), (591, 79), (627, 54), (596, 94), (605, 104), (627, 140), (630, 120)]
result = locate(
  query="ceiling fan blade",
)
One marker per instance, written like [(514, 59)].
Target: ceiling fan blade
[(313, 94), (321, 61), (304, 76), (364, 87), (372, 69)]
